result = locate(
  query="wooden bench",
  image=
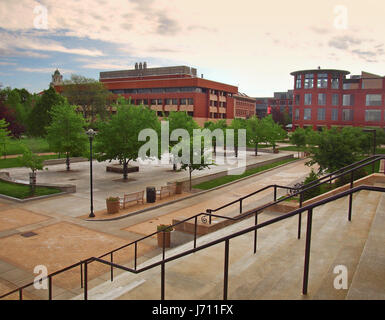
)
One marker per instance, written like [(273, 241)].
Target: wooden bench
[(166, 190), (136, 196)]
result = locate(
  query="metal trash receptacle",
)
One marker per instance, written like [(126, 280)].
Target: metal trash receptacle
[(150, 194)]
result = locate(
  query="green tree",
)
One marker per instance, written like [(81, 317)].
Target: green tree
[(33, 162), (90, 95), (66, 132), (180, 120), (255, 132), (236, 125), (40, 118), (117, 139), (298, 138), (335, 148), (274, 131), (4, 136), (195, 153), (220, 124)]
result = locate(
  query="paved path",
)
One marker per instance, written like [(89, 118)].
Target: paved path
[(62, 232)]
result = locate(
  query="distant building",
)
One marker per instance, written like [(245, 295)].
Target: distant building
[(176, 88), (282, 101), (327, 98), (57, 79), (244, 106)]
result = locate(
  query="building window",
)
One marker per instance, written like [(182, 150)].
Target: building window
[(322, 80), (321, 114), (335, 83), (348, 100), (346, 86), (347, 115), (159, 101), (373, 115), (335, 99), (296, 114), (190, 113), (322, 99), (374, 100), (190, 101), (334, 114), (308, 98), (298, 82), (309, 81), (153, 101), (183, 101), (175, 102), (157, 90), (297, 99), (168, 102), (307, 114)]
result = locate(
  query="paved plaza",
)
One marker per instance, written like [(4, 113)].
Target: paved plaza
[(65, 235)]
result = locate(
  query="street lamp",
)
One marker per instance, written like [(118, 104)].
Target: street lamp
[(91, 134)]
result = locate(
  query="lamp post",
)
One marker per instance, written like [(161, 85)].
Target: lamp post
[(91, 134), (374, 142)]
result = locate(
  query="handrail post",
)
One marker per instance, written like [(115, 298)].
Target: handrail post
[(226, 270), (49, 287), (20, 294), (112, 268), (307, 251), (300, 215), (255, 233), (351, 196), (136, 254), (240, 205), (85, 281), (208, 211), (164, 245), (195, 231), (162, 280), (275, 193), (81, 275)]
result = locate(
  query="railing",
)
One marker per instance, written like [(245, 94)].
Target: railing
[(335, 175)]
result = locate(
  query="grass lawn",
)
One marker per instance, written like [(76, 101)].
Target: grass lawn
[(15, 162), (37, 145), (226, 179), (23, 191)]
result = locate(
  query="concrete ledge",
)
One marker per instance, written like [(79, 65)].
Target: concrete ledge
[(51, 162), (118, 168)]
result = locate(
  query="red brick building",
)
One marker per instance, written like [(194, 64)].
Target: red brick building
[(328, 98), (244, 106), (174, 89)]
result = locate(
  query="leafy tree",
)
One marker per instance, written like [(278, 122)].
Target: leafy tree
[(12, 111), (255, 132), (315, 191), (298, 138), (66, 132), (40, 118), (274, 131), (180, 120), (335, 148), (237, 124), (4, 136), (117, 139), (220, 124), (33, 162), (90, 95), (192, 164)]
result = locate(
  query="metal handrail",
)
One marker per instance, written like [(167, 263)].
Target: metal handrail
[(255, 211)]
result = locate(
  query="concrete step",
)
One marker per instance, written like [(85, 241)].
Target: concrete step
[(274, 272), (368, 282)]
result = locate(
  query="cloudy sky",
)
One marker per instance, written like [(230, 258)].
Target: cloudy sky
[(249, 43)]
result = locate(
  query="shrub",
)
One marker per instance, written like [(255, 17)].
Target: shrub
[(315, 191), (164, 227), (358, 174)]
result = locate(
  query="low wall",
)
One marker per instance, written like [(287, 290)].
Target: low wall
[(118, 168), (197, 180), (51, 162), (67, 188)]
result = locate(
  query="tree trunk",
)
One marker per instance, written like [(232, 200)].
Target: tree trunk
[(174, 166), (189, 169), (68, 161), (236, 151), (256, 148), (125, 169), (215, 145)]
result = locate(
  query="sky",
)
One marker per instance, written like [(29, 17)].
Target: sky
[(251, 44)]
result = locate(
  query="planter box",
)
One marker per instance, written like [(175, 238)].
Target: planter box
[(167, 239), (118, 168), (112, 206)]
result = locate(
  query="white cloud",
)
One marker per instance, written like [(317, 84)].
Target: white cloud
[(43, 70)]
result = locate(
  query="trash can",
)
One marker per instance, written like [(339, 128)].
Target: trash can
[(150, 194)]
